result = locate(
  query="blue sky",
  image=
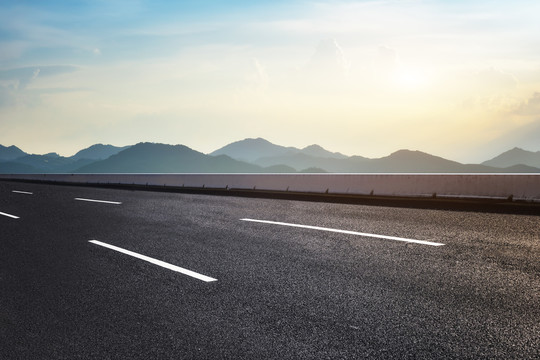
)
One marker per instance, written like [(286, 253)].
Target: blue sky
[(455, 78)]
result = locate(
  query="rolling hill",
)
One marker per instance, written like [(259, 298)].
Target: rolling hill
[(161, 158), (264, 156), (251, 150), (516, 156), (12, 152), (98, 152), (20, 162), (402, 161)]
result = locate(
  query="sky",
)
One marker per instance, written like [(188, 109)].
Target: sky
[(458, 79)]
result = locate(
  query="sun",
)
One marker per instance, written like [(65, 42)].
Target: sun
[(411, 79)]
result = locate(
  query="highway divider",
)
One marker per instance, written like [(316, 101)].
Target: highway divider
[(511, 187)]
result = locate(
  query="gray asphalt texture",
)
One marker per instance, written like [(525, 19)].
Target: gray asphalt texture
[(281, 292)]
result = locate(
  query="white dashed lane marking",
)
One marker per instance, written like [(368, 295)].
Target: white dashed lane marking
[(156, 262), (395, 238), (22, 192), (9, 215), (99, 201)]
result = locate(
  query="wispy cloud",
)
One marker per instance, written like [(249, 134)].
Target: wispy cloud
[(381, 67), (530, 107), (14, 83)]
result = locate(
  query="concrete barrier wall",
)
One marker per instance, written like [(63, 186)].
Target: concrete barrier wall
[(519, 186)]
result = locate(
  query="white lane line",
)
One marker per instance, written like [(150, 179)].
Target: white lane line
[(99, 201), (9, 215), (156, 262), (22, 192), (347, 232)]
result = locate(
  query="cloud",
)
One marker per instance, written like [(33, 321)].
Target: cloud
[(531, 107), (495, 79), (14, 82), (35, 74), (329, 59), (502, 104), (25, 75), (256, 76)]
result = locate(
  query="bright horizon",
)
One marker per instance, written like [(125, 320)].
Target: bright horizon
[(457, 79)]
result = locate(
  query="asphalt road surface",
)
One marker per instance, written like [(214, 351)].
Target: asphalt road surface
[(149, 275)]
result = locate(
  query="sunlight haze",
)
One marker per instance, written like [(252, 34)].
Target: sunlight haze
[(458, 79)]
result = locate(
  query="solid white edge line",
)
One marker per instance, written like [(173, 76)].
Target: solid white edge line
[(347, 232), (22, 192), (99, 201), (9, 215), (155, 261)]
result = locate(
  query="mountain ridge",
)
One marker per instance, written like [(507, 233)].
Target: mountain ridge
[(12, 152), (148, 157), (252, 149), (98, 152), (515, 156), (162, 158)]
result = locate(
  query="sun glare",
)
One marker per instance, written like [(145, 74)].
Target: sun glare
[(411, 79)]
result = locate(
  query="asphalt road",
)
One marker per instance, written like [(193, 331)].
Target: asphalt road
[(271, 290)]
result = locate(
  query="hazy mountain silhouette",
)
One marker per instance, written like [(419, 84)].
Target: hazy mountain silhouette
[(319, 151), (49, 163), (520, 169), (251, 150), (402, 161), (10, 153), (301, 161), (514, 157), (416, 161), (313, 170), (21, 162), (407, 161), (12, 167), (279, 169), (98, 152), (161, 158)]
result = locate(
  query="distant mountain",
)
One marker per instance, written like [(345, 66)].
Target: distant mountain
[(52, 155), (300, 161), (516, 156), (402, 161), (12, 167), (313, 170), (20, 162), (251, 149), (279, 169), (49, 163), (415, 161), (314, 157), (318, 151), (98, 152), (521, 169), (10, 153), (161, 158), (407, 161), (43, 163)]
